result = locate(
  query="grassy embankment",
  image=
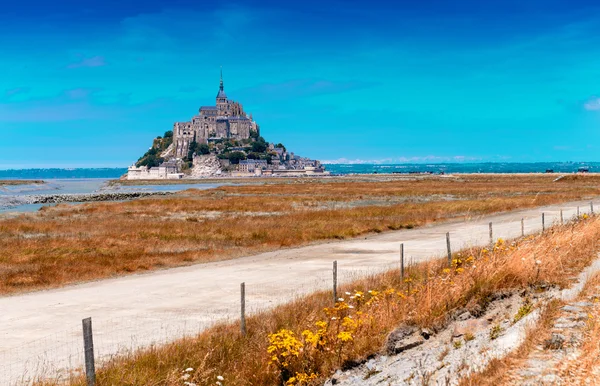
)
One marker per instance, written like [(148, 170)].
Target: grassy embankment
[(66, 244), (308, 339)]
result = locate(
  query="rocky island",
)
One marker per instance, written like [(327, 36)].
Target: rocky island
[(221, 140)]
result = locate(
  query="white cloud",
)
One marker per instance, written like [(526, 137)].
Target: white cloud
[(592, 104), (95, 61), (396, 160)]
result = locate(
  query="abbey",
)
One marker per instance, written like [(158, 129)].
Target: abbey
[(225, 120)]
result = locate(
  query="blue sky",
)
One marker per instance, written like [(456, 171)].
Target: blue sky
[(90, 83)]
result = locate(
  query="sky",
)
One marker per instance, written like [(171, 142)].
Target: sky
[(90, 83)]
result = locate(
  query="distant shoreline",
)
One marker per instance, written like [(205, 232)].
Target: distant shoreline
[(17, 182), (334, 169)]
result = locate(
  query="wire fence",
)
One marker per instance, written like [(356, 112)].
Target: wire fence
[(60, 356)]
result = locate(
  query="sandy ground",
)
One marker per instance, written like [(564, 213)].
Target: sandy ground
[(40, 332)]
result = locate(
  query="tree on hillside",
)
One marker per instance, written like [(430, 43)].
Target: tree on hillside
[(235, 157), (203, 149), (192, 149), (259, 146)]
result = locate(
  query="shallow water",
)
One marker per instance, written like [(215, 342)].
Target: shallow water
[(14, 198)]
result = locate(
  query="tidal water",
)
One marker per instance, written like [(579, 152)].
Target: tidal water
[(85, 181), (489, 167)]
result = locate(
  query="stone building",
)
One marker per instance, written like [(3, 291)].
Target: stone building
[(225, 120), (166, 171)]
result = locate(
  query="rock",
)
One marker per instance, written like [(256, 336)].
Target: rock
[(476, 310), (561, 326), (426, 333), (550, 379), (562, 320), (583, 304), (577, 317), (402, 339), (464, 316), (555, 342), (370, 365), (92, 197), (571, 308)]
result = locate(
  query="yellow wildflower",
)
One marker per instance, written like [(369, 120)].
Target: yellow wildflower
[(344, 336)]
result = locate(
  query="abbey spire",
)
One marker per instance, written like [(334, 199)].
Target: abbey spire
[(221, 96), (221, 85)]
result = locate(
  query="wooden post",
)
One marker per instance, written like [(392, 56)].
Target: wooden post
[(562, 221), (577, 210), (335, 282), (522, 227), (402, 261), (543, 222), (591, 208), (449, 250), (88, 348), (491, 237), (243, 308)]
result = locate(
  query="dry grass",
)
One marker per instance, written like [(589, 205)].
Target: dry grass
[(434, 294), (497, 371), (576, 370), (68, 244), (586, 367)]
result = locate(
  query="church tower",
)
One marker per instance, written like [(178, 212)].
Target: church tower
[(221, 98)]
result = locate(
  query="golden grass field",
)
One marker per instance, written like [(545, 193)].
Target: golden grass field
[(304, 342), (68, 244)]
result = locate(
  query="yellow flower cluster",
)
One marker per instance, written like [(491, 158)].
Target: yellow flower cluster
[(500, 245), (317, 339), (283, 346), (300, 379)]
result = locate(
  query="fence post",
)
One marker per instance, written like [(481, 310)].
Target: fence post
[(522, 227), (591, 208), (577, 210), (561, 217), (449, 250), (335, 282), (491, 236), (543, 222), (402, 261), (88, 347), (243, 308)]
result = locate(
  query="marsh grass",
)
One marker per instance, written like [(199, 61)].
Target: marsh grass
[(68, 244), (436, 293)]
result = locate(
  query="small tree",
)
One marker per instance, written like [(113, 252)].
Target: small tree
[(259, 147), (235, 157), (203, 149), (192, 149)]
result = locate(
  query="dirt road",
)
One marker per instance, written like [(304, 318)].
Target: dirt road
[(40, 332)]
